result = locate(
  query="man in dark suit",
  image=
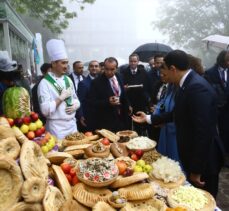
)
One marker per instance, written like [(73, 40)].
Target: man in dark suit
[(195, 116), (219, 79), (136, 85), (77, 74), (108, 100), (84, 112)]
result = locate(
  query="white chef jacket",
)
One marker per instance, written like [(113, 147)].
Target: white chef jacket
[(58, 123)]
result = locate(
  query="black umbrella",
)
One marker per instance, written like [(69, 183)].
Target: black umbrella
[(151, 49)]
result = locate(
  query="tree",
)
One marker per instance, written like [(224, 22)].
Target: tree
[(52, 13), (187, 22)]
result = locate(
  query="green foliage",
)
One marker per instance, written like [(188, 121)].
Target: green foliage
[(187, 22), (52, 13)]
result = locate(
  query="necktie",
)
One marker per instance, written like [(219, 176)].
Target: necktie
[(115, 86), (163, 92)]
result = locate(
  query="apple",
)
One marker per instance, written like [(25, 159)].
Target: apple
[(147, 168), (39, 123), (11, 122), (52, 141), (105, 141), (44, 149), (47, 136), (26, 120), (43, 129), (141, 163), (65, 168), (43, 142), (34, 116), (38, 132), (18, 122), (72, 172), (139, 152), (138, 168), (75, 180), (31, 135), (32, 126), (50, 145), (134, 157), (24, 128), (69, 178)]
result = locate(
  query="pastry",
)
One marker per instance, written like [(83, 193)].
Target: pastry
[(33, 189), (62, 182), (58, 157), (32, 161), (108, 134), (118, 150), (125, 181), (97, 150), (10, 147), (102, 206), (22, 206), (78, 139), (127, 133), (139, 191), (73, 205), (53, 199), (11, 181), (89, 196)]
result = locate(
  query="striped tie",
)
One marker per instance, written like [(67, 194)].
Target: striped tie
[(115, 86)]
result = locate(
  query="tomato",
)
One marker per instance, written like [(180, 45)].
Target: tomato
[(139, 152), (134, 157), (65, 167), (105, 141), (121, 167), (72, 172), (88, 133), (75, 180), (69, 178)]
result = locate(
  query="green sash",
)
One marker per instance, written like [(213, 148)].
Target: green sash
[(58, 87)]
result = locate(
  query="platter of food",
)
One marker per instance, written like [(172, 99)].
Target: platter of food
[(141, 142), (97, 172)]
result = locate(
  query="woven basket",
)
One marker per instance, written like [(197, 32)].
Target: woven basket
[(115, 205)]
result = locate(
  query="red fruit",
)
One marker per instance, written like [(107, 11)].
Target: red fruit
[(139, 152), (134, 157), (31, 135), (26, 120), (75, 180), (72, 172), (121, 167), (18, 122), (88, 133), (38, 132), (11, 122), (34, 116), (42, 129), (105, 141), (43, 142), (69, 178), (65, 168), (131, 153)]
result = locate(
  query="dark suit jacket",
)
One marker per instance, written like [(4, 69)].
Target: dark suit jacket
[(83, 94), (105, 115), (138, 97), (196, 119), (73, 81)]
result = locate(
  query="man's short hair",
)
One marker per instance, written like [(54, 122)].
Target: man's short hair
[(158, 55), (44, 67), (177, 58), (76, 62), (111, 59), (221, 58), (134, 55)]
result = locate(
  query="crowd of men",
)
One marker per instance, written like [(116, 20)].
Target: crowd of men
[(178, 104)]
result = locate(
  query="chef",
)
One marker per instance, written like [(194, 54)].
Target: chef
[(57, 98)]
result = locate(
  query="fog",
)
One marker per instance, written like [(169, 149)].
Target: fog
[(111, 28)]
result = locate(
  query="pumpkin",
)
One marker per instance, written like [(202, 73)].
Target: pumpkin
[(16, 102)]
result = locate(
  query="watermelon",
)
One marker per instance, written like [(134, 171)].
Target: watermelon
[(16, 102)]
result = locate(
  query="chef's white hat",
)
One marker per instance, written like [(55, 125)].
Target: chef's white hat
[(56, 50)]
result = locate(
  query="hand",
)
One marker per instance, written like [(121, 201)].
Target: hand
[(196, 180), (140, 117), (71, 109), (126, 86), (114, 100), (65, 93), (82, 121)]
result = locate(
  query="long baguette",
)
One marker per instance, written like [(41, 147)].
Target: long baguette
[(108, 134)]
